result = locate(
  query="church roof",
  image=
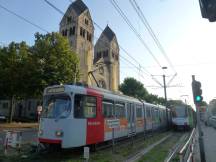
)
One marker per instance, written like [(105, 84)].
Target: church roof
[(109, 33), (78, 6)]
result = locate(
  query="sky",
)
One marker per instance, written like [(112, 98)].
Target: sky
[(187, 38)]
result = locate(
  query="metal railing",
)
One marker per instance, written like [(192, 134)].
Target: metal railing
[(186, 153)]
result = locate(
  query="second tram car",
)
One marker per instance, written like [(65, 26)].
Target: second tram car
[(75, 116), (182, 117)]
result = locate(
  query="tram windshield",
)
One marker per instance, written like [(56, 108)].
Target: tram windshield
[(56, 106), (179, 112)]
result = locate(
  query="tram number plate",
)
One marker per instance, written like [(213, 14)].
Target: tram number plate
[(114, 123)]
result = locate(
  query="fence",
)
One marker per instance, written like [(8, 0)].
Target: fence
[(186, 153)]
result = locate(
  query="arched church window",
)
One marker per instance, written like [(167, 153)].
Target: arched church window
[(101, 70)]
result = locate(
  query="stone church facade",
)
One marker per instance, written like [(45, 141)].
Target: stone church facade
[(103, 59)]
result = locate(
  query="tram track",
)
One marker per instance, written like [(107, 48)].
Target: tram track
[(124, 149)]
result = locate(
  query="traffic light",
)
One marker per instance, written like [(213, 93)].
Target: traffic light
[(208, 9), (197, 92)]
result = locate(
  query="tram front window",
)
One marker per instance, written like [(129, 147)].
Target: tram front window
[(181, 111), (56, 106)]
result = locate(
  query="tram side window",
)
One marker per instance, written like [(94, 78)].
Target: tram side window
[(120, 110), (148, 113), (153, 113), (108, 110), (139, 111), (84, 106)]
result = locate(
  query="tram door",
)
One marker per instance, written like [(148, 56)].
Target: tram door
[(131, 119)]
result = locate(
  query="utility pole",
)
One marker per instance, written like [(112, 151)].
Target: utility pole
[(165, 95), (197, 99)]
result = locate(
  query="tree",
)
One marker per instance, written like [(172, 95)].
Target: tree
[(171, 103), (12, 60), (25, 71), (134, 88), (55, 62)]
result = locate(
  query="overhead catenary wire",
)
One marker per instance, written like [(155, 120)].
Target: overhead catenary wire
[(122, 14), (127, 53), (150, 30), (146, 72), (153, 35), (118, 9), (23, 18)]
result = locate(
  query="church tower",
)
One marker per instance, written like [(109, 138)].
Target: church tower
[(77, 26), (106, 60)]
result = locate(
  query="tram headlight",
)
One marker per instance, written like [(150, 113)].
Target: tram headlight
[(40, 132), (59, 133)]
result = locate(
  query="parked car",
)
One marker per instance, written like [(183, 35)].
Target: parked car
[(2, 117), (211, 121)]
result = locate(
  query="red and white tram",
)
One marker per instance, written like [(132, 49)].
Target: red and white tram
[(75, 116)]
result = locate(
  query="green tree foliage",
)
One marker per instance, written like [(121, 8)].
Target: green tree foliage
[(172, 103), (13, 60), (55, 62), (134, 88), (25, 71)]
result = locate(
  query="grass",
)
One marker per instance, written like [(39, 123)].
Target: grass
[(123, 151), (160, 152)]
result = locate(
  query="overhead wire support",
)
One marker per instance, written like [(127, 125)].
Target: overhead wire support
[(118, 9), (150, 30), (23, 18)]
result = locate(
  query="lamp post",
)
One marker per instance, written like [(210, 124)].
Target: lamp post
[(165, 94)]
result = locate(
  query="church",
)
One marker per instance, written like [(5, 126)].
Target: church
[(102, 59)]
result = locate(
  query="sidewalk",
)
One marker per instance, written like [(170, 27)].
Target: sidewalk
[(209, 139), (209, 143), (196, 148)]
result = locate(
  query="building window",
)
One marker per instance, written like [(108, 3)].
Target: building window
[(102, 84), (5, 105), (89, 36), (98, 55), (65, 32), (101, 70), (113, 55), (69, 19), (84, 106), (82, 32), (29, 106), (105, 53), (116, 57), (72, 31), (86, 21)]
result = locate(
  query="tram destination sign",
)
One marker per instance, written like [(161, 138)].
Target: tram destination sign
[(55, 90), (113, 123)]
